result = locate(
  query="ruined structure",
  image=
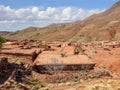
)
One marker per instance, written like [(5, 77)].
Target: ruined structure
[(71, 56), (4, 67)]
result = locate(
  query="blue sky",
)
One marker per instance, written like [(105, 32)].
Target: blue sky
[(19, 14), (85, 4)]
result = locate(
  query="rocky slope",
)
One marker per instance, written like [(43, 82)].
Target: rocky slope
[(4, 32)]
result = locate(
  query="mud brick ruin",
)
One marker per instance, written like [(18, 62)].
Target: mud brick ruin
[(73, 56)]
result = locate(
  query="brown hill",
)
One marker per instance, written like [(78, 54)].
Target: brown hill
[(4, 33), (103, 26)]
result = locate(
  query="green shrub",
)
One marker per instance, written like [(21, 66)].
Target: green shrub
[(63, 55), (2, 40)]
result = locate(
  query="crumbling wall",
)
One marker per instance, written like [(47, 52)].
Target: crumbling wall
[(4, 67), (51, 68)]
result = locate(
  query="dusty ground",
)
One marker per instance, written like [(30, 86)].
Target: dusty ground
[(106, 77), (109, 60), (94, 84), (61, 80)]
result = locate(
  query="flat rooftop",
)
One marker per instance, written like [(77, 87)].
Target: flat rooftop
[(20, 51), (49, 59)]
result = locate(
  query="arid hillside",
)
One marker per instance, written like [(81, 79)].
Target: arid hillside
[(103, 26), (4, 33)]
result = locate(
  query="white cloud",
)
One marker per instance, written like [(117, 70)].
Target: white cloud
[(35, 10), (15, 19)]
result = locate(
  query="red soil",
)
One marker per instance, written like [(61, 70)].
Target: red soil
[(109, 60)]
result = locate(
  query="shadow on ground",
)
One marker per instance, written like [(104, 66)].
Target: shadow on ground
[(6, 74)]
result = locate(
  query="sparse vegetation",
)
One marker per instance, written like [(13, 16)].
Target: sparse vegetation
[(63, 55), (2, 40)]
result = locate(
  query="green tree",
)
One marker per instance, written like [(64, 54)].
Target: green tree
[(2, 40)]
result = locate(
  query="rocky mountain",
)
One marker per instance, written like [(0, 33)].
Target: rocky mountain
[(4, 33), (103, 26)]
